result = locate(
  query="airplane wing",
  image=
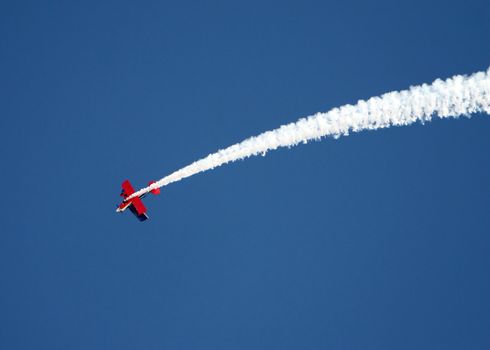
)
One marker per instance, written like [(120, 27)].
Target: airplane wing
[(138, 205), (127, 189), (141, 217)]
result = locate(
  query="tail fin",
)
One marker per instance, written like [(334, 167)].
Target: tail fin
[(155, 190)]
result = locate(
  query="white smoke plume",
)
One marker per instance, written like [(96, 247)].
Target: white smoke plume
[(454, 97)]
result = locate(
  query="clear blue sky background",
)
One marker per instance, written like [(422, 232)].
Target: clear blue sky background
[(379, 240)]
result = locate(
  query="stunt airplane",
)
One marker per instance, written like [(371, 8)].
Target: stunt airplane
[(134, 204)]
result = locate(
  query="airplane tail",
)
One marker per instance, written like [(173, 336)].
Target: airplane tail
[(155, 191)]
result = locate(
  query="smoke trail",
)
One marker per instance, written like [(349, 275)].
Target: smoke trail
[(456, 96)]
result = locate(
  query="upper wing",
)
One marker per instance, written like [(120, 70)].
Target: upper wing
[(127, 189)]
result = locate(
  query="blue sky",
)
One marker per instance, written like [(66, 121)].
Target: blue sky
[(378, 240)]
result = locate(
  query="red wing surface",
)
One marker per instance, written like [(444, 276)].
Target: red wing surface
[(127, 189), (141, 217), (138, 205)]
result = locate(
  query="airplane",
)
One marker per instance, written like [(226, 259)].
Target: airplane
[(135, 204)]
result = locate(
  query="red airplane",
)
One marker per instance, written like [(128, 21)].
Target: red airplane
[(134, 204)]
